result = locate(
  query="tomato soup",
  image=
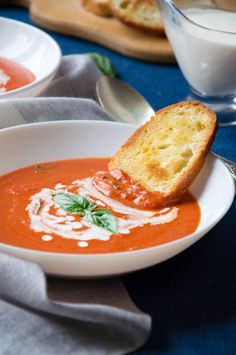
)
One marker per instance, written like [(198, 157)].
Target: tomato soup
[(13, 75), (55, 207)]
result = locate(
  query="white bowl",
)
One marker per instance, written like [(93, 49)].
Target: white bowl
[(34, 49), (214, 189)]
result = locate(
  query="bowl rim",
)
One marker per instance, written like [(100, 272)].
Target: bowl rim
[(198, 234), (53, 70)]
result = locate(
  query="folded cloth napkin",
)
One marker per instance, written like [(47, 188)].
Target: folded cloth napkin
[(41, 315)]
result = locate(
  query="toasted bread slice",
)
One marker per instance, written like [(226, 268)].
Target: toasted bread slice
[(165, 155), (98, 7), (143, 14)]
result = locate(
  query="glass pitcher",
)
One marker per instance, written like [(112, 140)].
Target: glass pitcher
[(203, 37)]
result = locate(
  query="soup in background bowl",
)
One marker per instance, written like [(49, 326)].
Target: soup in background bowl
[(55, 163), (13, 75), (19, 44)]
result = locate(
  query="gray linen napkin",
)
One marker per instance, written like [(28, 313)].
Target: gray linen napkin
[(48, 316)]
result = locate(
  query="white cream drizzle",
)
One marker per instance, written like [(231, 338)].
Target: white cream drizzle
[(65, 225), (4, 78), (82, 244), (47, 238), (61, 212)]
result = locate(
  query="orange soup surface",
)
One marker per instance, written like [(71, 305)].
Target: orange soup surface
[(13, 75), (40, 209)]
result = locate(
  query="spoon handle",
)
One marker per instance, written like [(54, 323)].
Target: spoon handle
[(230, 165)]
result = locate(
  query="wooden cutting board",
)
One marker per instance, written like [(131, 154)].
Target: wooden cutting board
[(70, 17)]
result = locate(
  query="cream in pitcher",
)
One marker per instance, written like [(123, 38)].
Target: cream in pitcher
[(205, 48)]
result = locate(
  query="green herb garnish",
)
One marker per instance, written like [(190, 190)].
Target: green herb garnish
[(41, 168), (84, 207), (103, 63), (102, 218)]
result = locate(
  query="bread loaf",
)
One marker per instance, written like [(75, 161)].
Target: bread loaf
[(165, 155), (143, 14), (98, 7)]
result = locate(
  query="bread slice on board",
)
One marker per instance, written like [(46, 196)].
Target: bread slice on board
[(98, 7), (165, 155), (143, 14)]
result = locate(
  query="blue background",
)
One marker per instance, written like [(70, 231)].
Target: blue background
[(191, 297)]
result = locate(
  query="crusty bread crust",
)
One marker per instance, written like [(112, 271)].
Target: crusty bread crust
[(142, 14), (166, 154), (98, 7)]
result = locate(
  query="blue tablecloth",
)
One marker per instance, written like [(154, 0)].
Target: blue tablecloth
[(191, 297)]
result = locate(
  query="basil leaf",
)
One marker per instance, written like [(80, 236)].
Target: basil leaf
[(88, 210), (103, 63), (72, 203), (102, 218)]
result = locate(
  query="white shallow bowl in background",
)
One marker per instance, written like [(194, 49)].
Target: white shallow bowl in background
[(33, 48), (34, 143)]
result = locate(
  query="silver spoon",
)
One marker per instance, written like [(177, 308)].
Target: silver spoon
[(124, 104), (121, 102)]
